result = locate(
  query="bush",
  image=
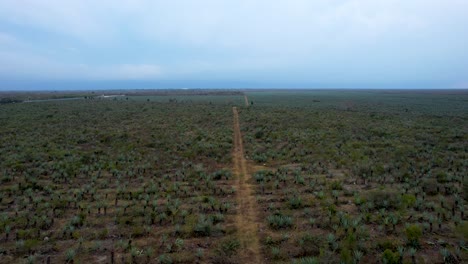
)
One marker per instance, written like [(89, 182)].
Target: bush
[(30, 244), (271, 241), (76, 235), (345, 256), (442, 177), (430, 186), (336, 185), (126, 221), (462, 230), (103, 233), (228, 247), (384, 199), (259, 134), (23, 234), (465, 189), (413, 233), (310, 245), (308, 260), (138, 231), (408, 200), (218, 175), (390, 257), (387, 243)]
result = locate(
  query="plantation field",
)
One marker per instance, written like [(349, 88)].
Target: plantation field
[(360, 176), (81, 179), (205, 177)]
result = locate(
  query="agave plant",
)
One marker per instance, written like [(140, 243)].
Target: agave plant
[(199, 253), (70, 255), (357, 256), (179, 243), (279, 221), (412, 251)]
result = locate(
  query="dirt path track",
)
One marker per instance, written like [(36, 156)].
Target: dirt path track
[(246, 99), (246, 219)]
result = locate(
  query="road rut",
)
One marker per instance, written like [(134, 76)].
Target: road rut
[(247, 219)]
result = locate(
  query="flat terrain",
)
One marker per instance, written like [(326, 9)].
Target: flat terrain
[(305, 176), (247, 219), (145, 180)]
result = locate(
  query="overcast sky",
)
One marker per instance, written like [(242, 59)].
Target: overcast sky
[(274, 43)]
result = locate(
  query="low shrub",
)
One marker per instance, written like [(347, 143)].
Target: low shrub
[(165, 259), (390, 257), (413, 233), (430, 186), (262, 176), (295, 202), (310, 245), (336, 185), (138, 231), (465, 189), (259, 157), (308, 260), (408, 200), (218, 175), (228, 247), (387, 243), (103, 233), (30, 244), (203, 227), (345, 256), (384, 199), (442, 177), (276, 253), (217, 218), (279, 221)]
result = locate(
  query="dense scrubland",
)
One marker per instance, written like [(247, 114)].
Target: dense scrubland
[(146, 181), (360, 177), (337, 176)]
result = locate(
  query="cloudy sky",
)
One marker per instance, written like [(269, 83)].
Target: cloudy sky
[(235, 43)]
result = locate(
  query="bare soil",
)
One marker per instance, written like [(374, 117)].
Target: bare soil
[(247, 218)]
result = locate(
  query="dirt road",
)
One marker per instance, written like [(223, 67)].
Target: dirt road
[(246, 100), (246, 219)]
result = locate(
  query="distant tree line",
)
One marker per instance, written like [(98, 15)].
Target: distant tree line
[(9, 101)]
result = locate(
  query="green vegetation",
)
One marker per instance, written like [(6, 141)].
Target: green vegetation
[(84, 179), (337, 176), (377, 175)]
